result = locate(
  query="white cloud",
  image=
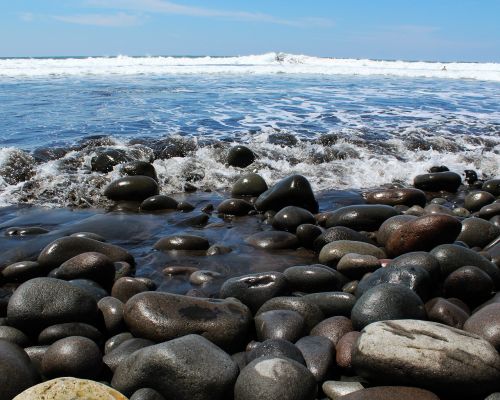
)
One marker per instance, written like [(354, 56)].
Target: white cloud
[(115, 20), (27, 16)]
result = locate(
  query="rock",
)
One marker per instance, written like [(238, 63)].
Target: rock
[(210, 376), (332, 252), (344, 349), (391, 197), (469, 284), (75, 356), (294, 190), (336, 389), (437, 181), (253, 290), (427, 354), (107, 159), (203, 276), (22, 271), (391, 225), (159, 202), (275, 378), (36, 353), (182, 242), (240, 156), (88, 235), (42, 302), (391, 393), (279, 324), (249, 185), (438, 209), (236, 207), (216, 250), (143, 168), (477, 232), (90, 265), (319, 355), (164, 316), (184, 206), (445, 312), (338, 233), (486, 323), (112, 313), (311, 313), (61, 250), (419, 259), (273, 240), (146, 394), (354, 266), (14, 335), (492, 186), (386, 301), (360, 217), (307, 234), (25, 231), (132, 188), (333, 303), (91, 287), (119, 354), (489, 211), (290, 217), (314, 278), (423, 234), (54, 333), (70, 389), (127, 287), (16, 371), (17, 166), (333, 328), (114, 341), (279, 348), (474, 201)]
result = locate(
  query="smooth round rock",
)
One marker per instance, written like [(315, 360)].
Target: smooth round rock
[(75, 356), (336, 389), (187, 368), (275, 378), (332, 252), (112, 313), (276, 348), (492, 186), (385, 302), (41, 302), (107, 159), (249, 185), (354, 266), (474, 201), (333, 328), (390, 225), (445, 312), (61, 250), (294, 190), (477, 232), (469, 284), (418, 259), (237, 207), (437, 181), (338, 233), (143, 168), (392, 197), (17, 373), (54, 333), (429, 355), (22, 271), (361, 217), (91, 287), (273, 240), (146, 394), (159, 202), (314, 278), (438, 209), (319, 355), (132, 188), (486, 323), (344, 349), (14, 335), (307, 234), (127, 287), (120, 353), (164, 316), (279, 324), (89, 235), (253, 290), (332, 303), (203, 276), (25, 231), (489, 211), (114, 341), (391, 393), (240, 156), (290, 217), (423, 234), (182, 242)]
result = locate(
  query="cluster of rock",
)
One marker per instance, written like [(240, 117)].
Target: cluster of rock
[(402, 303)]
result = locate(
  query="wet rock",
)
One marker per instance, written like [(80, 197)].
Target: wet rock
[(344, 349), (273, 240), (332, 303), (35, 353), (423, 234), (486, 323), (385, 302), (88, 235), (294, 190), (174, 146), (314, 278), (184, 206), (391, 393), (445, 312), (61, 250), (42, 302), (107, 159), (70, 389), (159, 202), (477, 232), (279, 324), (16, 371), (253, 290), (474, 201), (127, 287), (73, 356), (333, 328), (361, 217), (427, 354), (436, 181), (249, 185), (182, 242), (17, 167), (290, 217), (119, 354), (392, 197), (419, 259), (275, 378), (469, 284), (14, 335), (336, 389), (210, 376), (319, 355), (283, 139), (25, 231), (332, 252), (492, 186), (114, 341), (279, 348), (240, 156), (203, 276), (391, 225), (236, 207), (112, 313), (54, 333), (22, 271), (307, 234), (164, 316), (489, 211), (132, 188), (338, 233), (216, 250), (438, 209), (135, 168), (146, 394), (91, 287), (354, 266)]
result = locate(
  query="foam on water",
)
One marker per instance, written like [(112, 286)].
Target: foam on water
[(269, 63)]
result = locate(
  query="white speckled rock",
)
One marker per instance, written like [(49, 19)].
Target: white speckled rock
[(335, 389), (70, 389)]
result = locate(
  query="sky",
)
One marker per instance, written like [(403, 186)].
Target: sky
[(433, 30)]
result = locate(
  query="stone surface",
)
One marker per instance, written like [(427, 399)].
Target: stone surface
[(475, 200), (469, 284), (477, 232), (419, 259), (390, 225), (237, 207), (139, 168), (273, 240), (335, 389), (70, 389), (187, 368), (112, 312), (427, 354), (182, 242), (14, 335), (127, 287), (354, 265), (319, 355), (361, 217), (445, 312), (332, 252), (146, 394), (159, 202), (314, 278), (344, 349), (333, 328), (279, 324), (279, 348), (436, 181), (164, 316), (22, 271), (338, 233), (120, 353), (391, 393), (333, 303), (60, 331), (240, 156), (486, 323), (392, 197), (249, 185), (492, 186), (132, 188), (290, 217)]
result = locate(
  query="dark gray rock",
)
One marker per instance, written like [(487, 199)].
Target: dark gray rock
[(307, 234), (279, 348), (159, 202), (344, 349), (120, 353), (391, 197), (25, 231), (486, 324), (182, 242), (279, 324), (319, 355), (332, 252), (333, 328), (127, 287), (469, 284), (474, 201), (333, 303), (436, 181), (54, 333), (492, 186), (390, 225), (489, 211), (114, 341), (240, 156), (354, 266), (391, 393), (445, 312), (210, 376), (338, 233), (132, 188), (249, 185), (361, 217), (236, 207), (314, 278), (273, 240), (290, 217), (107, 159), (22, 271), (419, 259), (14, 335), (89, 235), (112, 313), (143, 168), (91, 287), (477, 232), (146, 394)]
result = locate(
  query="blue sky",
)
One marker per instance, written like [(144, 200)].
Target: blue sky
[(441, 30)]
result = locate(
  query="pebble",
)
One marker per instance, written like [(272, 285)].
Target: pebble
[(307, 234), (279, 348), (273, 240), (332, 252), (419, 259), (338, 233), (332, 303), (319, 355), (112, 313), (132, 188), (182, 242), (474, 201), (290, 217), (336, 389), (114, 341), (486, 323), (314, 278), (237, 207), (344, 349), (477, 232), (362, 217), (121, 352), (469, 284), (333, 328), (492, 186), (159, 202), (240, 156), (22, 271), (279, 324), (146, 394), (392, 197), (25, 231), (391, 393), (17, 373), (56, 332), (354, 266), (390, 225), (436, 181), (445, 312), (139, 168), (14, 335), (249, 185)]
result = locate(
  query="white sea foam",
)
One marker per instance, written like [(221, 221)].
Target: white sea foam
[(269, 63)]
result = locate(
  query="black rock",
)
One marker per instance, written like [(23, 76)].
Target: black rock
[(107, 159), (436, 181), (314, 278), (159, 202), (289, 218), (143, 168), (146, 394), (54, 333), (333, 303), (112, 313), (273, 240), (249, 185), (307, 234), (127, 287), (182, 242), (319, 355), (240, 156), (119, 354), (276, 348), (279, 324), (475, 200), (236, 207), (14, 335), (419, 259), (492, 186), (22, 271), (338, 233), (132, 188), (361, 217)]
